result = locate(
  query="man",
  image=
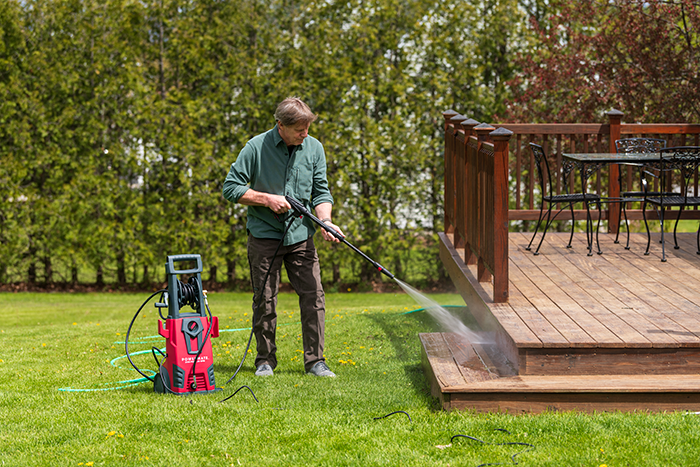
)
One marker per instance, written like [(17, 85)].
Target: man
[(284, 161)]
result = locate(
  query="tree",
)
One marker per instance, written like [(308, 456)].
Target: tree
[(594, 55), (14, 139)]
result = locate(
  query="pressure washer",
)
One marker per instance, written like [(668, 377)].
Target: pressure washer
[(188, 363)]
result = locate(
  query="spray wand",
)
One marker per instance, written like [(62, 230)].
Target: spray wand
[(297, 206)]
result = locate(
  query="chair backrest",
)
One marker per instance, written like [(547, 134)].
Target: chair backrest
[(639, 145), (685, 159), (543, 173)]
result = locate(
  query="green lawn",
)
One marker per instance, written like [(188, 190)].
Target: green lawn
[(51, 342)]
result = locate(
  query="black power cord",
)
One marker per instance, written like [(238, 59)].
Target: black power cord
[(393, 413), (126, 341), (257, 302), (530, 447)]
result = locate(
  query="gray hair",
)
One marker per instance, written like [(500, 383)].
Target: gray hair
[(293, 110)]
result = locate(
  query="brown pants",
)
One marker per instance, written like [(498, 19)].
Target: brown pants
[(304, 272)]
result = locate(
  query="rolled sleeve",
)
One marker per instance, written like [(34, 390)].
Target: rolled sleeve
[(320, 193), (240, 176)]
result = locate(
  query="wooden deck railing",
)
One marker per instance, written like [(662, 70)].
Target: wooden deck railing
[(476, 170), (490, 179)]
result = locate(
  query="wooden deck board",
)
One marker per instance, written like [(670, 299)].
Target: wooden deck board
[(542, 327), (580, 291), (668, 293), (632, 294), (648, 294), (554, 284)]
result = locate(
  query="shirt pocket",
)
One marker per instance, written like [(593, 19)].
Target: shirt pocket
[(303, 183)]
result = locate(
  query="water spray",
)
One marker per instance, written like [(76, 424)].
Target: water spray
[(297, 206)]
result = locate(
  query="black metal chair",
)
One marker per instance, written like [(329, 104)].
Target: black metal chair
[(682, 159), (565, 200), (633, 146)]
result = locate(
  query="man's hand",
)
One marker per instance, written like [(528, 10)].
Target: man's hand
[(329, 237), (323, 212), (277, 203)]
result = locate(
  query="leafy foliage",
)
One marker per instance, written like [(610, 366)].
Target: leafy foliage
[(594, 55), (120, 120)]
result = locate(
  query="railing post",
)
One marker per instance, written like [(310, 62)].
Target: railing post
[(615, 120), (501, 142), (459, 238), (468, 171), (482, 132), (449, 173)]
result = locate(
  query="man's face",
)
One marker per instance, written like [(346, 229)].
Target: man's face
[(294, 135)]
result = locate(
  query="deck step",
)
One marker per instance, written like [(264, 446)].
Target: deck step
[(463, 379), (584, 384)]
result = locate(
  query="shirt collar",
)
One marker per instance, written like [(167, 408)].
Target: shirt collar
[(276, 135), (278, 139)]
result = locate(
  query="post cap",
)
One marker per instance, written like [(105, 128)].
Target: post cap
[(501, 133)]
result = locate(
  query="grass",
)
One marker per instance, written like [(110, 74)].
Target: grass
[(54, 341)]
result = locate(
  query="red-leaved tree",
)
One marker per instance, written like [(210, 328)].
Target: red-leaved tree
[(640, 57)]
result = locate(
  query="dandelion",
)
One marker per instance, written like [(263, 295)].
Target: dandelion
[(75, 324)]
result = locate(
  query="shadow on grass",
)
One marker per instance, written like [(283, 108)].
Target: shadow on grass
[(404, 340)]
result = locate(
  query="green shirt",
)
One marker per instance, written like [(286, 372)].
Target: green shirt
[(264, 165)]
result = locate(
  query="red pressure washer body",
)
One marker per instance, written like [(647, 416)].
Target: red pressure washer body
[(187, 334)]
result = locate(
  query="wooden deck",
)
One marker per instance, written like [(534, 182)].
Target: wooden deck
[(617, 331)]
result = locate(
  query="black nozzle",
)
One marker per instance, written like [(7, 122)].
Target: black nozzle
[(298, 207)]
